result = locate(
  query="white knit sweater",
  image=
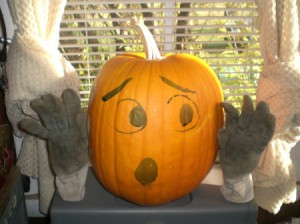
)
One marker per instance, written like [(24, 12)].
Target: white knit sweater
[(279, 85), (35, 67)]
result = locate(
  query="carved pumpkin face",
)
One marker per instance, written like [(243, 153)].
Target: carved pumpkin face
[(153, 126)]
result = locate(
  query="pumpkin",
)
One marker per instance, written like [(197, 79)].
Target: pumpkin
[(153, 124)]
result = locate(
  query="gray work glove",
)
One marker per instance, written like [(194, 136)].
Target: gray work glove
[(65, 130), (241, 143)]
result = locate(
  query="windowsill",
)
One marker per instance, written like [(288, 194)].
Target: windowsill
[(215, 176)]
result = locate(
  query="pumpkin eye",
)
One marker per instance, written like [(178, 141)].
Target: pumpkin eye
[(188, 113), (132, 116), (137, 116)]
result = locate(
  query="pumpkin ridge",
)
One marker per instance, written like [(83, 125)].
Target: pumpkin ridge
[(215, 94), (149, 69), (111, 85), (187, 147), (129, 73), (99, 155), (115, 153), (172, 67), (139, 74), (198, 146), (192, 65), (160, 146), (163, 128), (204, 75), (108, 181), (179, 73), (125, 63), (99, 111), (211, 127)]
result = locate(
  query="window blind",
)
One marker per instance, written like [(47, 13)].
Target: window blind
[(223, 33)]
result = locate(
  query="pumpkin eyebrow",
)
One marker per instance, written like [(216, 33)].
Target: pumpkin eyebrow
[(176, 86), (115, 91)]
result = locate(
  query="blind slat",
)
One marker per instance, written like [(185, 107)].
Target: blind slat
[(136, 10), (187, 27), (88, 2), (83, 20), (249, 35)]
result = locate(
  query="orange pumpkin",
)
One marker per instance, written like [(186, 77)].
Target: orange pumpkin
[(153, 125)]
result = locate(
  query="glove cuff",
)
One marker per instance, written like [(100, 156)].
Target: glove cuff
[(72, 187), (238, 190)]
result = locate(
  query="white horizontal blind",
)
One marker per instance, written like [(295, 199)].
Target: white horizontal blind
[(223, 33)]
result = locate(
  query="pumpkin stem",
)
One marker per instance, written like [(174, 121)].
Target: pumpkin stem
[(148, 41)]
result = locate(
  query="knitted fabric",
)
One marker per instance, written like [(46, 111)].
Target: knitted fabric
[(35, 67), (279, 85), (238, 190), (33, 161), (72, 187)]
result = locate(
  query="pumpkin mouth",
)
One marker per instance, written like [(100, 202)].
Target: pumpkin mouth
[(147, 171)]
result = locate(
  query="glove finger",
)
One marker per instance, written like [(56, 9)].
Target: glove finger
[(247, 112), (268, 131), (223, 137), (232, 115), (72, 106), (82, 124), (45, 115), (32, 127), (259, 116), (56, 108)]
